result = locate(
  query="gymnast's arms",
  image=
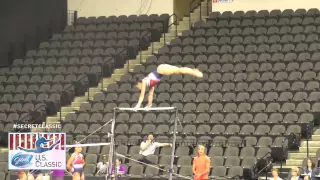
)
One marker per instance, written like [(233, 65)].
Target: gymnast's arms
[(83, 162), (69, 163), (142, 86), (150, 97)]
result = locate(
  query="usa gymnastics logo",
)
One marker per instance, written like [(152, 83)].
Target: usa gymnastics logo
[(43, 151)]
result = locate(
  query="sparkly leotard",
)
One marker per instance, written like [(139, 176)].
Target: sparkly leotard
[(77, 164), (152, 79)]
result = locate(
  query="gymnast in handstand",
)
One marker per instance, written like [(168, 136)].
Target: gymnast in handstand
[(152, 79)]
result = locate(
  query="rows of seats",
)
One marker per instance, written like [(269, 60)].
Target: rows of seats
[(226, 93), (67, 65), (227, 82), (228, 58), (122, 19), (202, 37), (293, 70), (257, 97), (276, 13), (100, 42), (227, 107), (227, 49), (66, 38), (65, 61), (202, 129), (239, 117), (223, 96)]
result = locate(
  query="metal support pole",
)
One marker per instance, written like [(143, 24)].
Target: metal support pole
[(152, 46), (200, 12), (173, 144), (266, 175), (308, 127), (112, 146), (75, 17), (102, 75), (60, 109), (164, 34)]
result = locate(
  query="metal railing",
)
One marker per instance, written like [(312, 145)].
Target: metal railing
[(309, 133), (112, 59), (269, 161), (284, 149), (200, 6), (72, 17), (30, 115), (102, 71), (165, 28), (65, 90)]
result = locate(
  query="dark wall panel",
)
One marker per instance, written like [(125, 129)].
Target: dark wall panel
[(24, 24)]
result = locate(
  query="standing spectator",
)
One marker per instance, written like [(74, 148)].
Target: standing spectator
[(201, 164), (275, 174), (148, 147)]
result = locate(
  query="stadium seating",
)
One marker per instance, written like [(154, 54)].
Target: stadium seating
[(69, 63), (258, 94), (257, 97)]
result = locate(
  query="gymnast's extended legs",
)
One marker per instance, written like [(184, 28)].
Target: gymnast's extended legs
[(166, 69)]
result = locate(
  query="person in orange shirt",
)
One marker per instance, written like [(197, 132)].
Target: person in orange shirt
[(201, 164)]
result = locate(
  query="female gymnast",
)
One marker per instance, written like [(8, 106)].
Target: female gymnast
[(201, 164), (152, 79), (76, 163)]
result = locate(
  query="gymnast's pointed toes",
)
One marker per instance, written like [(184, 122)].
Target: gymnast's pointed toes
[(199, 74)]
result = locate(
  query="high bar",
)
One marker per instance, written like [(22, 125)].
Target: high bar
[(145, 109), (85, 145)]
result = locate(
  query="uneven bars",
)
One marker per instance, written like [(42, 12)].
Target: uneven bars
[(86, 145), (144, 109)]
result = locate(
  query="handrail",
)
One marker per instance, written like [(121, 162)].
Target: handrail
[(29, 114), (255, 165), (175, 22), (64, 90), (309, 134), (190, 10), (102, 67), (208, 1), (152, 45), (270, 163), (282, 149), (282, 146), (102, 72)]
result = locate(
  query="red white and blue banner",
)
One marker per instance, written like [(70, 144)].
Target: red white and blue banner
[(40, 151)]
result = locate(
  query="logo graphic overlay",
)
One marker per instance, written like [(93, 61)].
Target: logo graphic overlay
[(43, 151)]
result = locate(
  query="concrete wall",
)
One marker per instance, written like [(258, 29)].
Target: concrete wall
[(245, 5), (87, 8), (182, 7)]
